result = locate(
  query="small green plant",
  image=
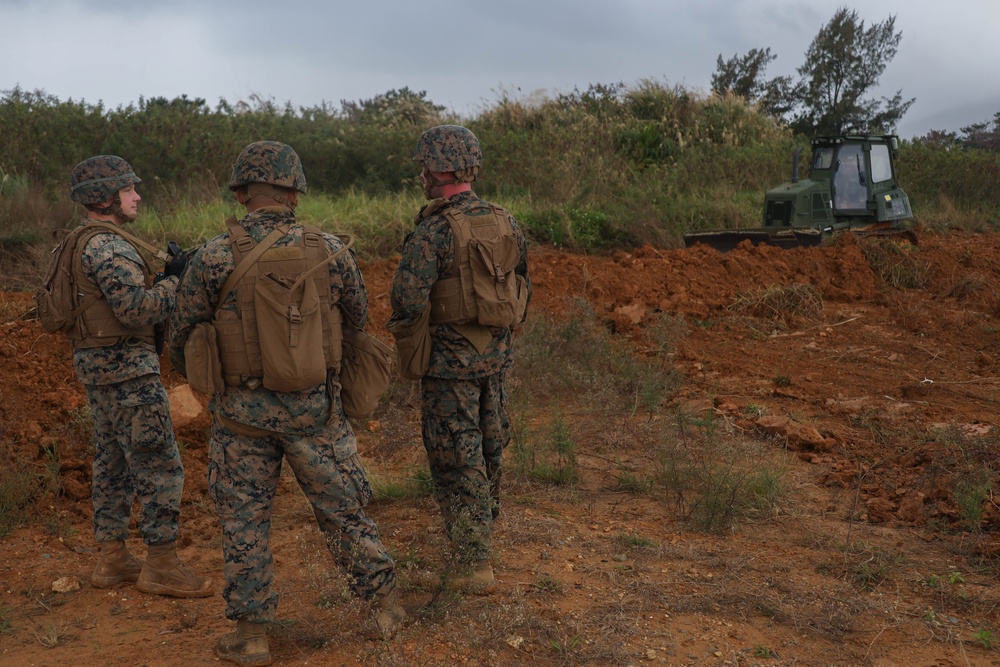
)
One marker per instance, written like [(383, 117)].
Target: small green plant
[(971, 496), (416, 485), (547, 584), (955, 577), (761, 651), (633, 541), (932, 581), (984, 637), (51, 635), (20, 486), (5, 622), (782, 381), (630, 482), (563, 471), (567, 646), (872, 565)]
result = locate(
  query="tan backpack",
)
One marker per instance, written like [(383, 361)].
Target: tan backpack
[(289, 330), (58, 305)]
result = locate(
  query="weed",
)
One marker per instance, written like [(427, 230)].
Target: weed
[(633, 483), (984, 637), (566, 646), (971, 495), (721, 480), (5, 622), (51, 634), (872, 565), (782, 381), (633, 541), (20, 486), (788, 304), (547, 584), (416, 485), (897, 265), (761, 651), (563, 470)]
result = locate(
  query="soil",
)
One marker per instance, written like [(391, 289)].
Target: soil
[(875, 388)]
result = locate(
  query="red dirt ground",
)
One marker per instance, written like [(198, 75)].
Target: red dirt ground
[(881, 401)]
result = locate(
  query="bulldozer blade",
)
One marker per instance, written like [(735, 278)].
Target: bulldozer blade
[(726, 240)]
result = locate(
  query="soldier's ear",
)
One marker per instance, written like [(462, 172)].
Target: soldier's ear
[(241, 195)]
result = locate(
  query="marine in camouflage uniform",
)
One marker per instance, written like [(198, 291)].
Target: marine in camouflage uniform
[(136, 455), (255, 428), (465, 425)]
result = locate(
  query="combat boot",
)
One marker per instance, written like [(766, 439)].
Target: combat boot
[(165, 574), (479, 580), (387, 614), (115, 565), (247, 646)]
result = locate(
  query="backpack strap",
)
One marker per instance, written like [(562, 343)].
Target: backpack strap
[(325, 262), (240, 269), (112, 227)]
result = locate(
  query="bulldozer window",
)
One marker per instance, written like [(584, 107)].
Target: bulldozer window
[(823, 158), (881, 163), (850, 183)]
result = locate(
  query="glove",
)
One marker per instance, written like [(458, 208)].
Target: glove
[(178, 260)]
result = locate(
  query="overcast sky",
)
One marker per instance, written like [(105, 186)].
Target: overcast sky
[(467, 55)]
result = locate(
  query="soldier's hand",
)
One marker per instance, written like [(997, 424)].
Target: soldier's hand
[(178, 260)]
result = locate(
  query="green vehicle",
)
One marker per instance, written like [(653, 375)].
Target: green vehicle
[(851, 186)]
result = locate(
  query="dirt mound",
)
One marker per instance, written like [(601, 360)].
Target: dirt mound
[(874, 366)]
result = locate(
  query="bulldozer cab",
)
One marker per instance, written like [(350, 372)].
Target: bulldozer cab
[(851, 186), (859, 170)]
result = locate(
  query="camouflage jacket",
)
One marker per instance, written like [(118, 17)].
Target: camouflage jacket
[(428, 254), (304, 412), (115, 266)]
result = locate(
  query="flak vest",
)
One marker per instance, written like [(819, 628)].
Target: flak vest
[(483, 290), (238, 335), (97, 325)]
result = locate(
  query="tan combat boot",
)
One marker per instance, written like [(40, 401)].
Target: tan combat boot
[(165, 574), (247, 646), (387, 614), (115, 565), (479, 580)]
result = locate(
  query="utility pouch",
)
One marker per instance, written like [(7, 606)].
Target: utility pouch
[(413, 347), (364, 372), (201, 360), (493, 261), (290, 330)]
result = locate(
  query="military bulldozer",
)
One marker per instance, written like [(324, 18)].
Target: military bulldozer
[(851, 187)]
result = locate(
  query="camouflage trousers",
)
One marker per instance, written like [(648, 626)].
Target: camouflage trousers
[(136, 457), (243, 475), (465, 429)]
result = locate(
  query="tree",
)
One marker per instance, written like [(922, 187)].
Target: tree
[(843, 63), (985, 135), (745, 77)]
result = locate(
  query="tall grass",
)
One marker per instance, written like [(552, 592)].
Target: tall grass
[(613, 166)]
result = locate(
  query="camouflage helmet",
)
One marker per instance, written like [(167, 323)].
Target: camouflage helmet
[(268, 162), (449, 148), (99, 178)]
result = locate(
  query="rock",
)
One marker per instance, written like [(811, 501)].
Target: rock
[(911, 507), (184, 406), (65, 585), (799, 435), (880, 509)]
